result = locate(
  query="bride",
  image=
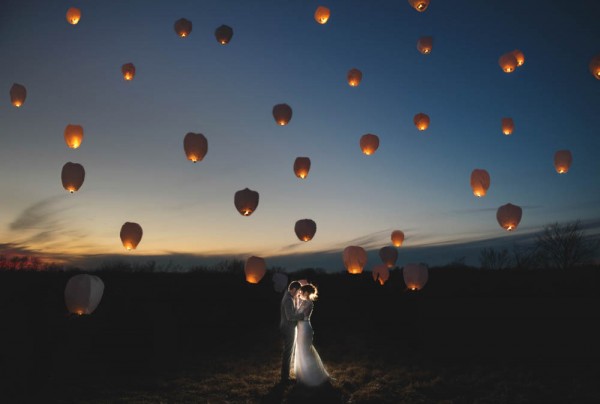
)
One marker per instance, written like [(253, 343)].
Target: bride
[(308, 366)]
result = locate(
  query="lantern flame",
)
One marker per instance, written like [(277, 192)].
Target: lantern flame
[(17, 103)]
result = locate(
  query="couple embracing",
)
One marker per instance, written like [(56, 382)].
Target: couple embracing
[(297, 333)]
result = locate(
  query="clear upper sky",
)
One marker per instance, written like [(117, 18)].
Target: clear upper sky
[(417, 182)]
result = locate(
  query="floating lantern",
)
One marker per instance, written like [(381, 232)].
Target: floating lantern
[(388, 256), (282, 114), (83, 293), (397, 238), (355, 258), (354, 77), (131, 235), (224, 34), (381, 274), (128, 71), (421, 121), (322, 15), (72, 176), (508, 126), (301, 167), (562, 161), (183, 27), (425, 44), (255, 269), (369, 143), (246, 201), (508, 62), (73, 136), (73, 15), (480, 182), (305, 229), (509, 216), (595, 67), (415, 276), (195, 146), (18, 93), (419, 5), (280, 282), (519, 56)]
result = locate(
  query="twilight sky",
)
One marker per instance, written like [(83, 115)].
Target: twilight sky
[(417, 181)]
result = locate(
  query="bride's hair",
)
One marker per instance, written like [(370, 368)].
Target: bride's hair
[(313, 293)]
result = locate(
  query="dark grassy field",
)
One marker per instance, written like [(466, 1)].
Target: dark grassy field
[(470, 336)]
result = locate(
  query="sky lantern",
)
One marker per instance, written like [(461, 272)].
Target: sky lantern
[(282, 114), (397, 238), (354, 77), (419, 5), (381, 273), (425, 44), (562, 161), (369, 143), (128, 70), (388, 256), (509, 216), (73, 15), (415, 276), (73, 136), (280, 281), (305, 229), (595, 66), (255, 269), (72, 176), (508, 62), (224, 33), (301, 167), (195, 146), (246, 201), (183, 27), (322, 14), (131, 235), (355, 258), (18, 93), (421, 121), (83, 293), (508, 126), (519, 56), (480, 182)]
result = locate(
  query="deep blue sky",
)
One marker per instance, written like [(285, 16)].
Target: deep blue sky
[(417, 182)]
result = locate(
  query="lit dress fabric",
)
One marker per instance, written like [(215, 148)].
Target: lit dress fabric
[(308, 366)]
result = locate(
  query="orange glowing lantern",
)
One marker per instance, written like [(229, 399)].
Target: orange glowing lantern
[(73, 136), (509, 216), (381, 273), (322, 14), (195, 146), (355, 258), (388, 256), (508, 126), (183, 27), (18, 93), (83, 293), (282, 114), (369, 143), (519, 56), (72, 176), (419, 5), (131, 235), (425, 44), (421, 121), (305, 229), (255, 269), (595, 67), (301, 167), (397, 238), (562, 161), (480, 182), (415, 276), (73, 15), (508, 62), (128, 71), (354, 77), (224, 34), (246, 201)]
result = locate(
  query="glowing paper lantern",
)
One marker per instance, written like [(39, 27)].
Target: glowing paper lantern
[(595, 67), (419, 5), (72, 176), (73, 136), (425, 44), (131, 235), (381, 273), (355, 258), (305, 229), (508, 62), (224, 34), (421, 121), (280, 281), (195, 146), (354, 77), (18, 93), (73, 15), (415, 276), (388, 256), (480, 182), (519, 56), (508, 126), (128, 71), (322, 15), (301, 167), (83, 293), (255, 269), (397, 238), (369, 143), (246, 201), (183, 27), (509, 216), (562, 161), (282, 114)]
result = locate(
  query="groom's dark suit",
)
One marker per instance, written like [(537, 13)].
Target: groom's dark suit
[(287, 325)]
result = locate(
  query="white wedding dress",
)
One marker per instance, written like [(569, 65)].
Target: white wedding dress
[(308, 366)]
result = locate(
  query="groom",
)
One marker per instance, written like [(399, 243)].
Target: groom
[(287, 326)]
